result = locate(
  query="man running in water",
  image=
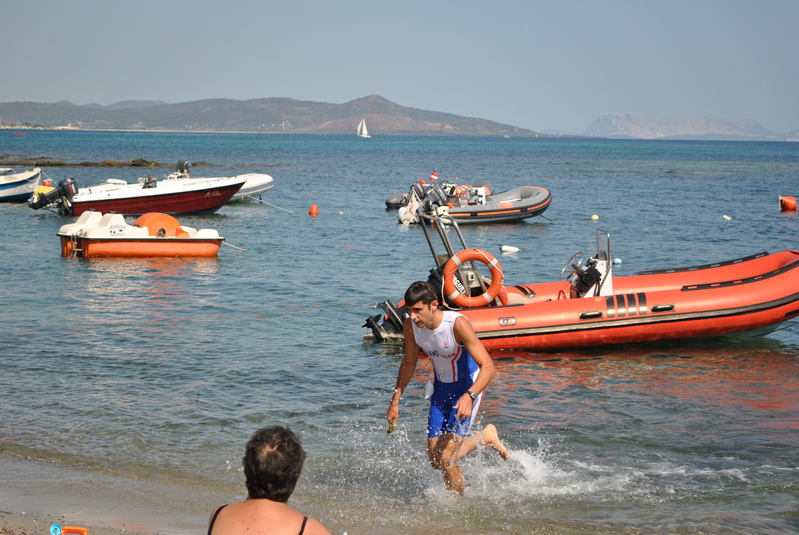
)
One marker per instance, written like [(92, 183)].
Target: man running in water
[(463, 369)]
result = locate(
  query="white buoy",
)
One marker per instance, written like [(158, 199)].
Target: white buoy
[(594, 217), (727, 218), (617, 260), (509, 249)]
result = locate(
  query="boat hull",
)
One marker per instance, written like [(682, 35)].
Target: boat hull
[(139, 247), (510, 206), (206, 200), (255, 185), (20, 186)]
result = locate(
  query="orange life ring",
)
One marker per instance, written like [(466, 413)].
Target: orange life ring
[(494, 289)]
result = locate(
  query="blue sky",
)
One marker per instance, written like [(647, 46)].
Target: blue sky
[(538, 65)]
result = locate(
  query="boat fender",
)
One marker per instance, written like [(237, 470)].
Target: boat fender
[(497, 278)]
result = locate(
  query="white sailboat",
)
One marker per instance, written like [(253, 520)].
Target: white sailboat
[(362, 131)]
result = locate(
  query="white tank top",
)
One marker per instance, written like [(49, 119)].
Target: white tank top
[(452, 362)]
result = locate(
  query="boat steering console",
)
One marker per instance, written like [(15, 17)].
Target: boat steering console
[(582, 279)]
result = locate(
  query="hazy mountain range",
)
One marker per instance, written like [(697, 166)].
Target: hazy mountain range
[(383, 117), (259, 115), (633, 126)]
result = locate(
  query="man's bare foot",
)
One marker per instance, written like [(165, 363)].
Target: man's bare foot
[(491, 439)]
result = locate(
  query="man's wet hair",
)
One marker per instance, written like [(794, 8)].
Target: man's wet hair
[(273, 461), (420, 292)]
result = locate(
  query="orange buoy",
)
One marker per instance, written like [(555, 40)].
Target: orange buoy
[(314, 210), (787, 203)]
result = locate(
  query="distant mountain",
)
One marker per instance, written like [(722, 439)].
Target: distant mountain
[(383, 117), (629, 125), (123, 105)]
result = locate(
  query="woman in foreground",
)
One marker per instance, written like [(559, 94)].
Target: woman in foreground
[(272, 465)]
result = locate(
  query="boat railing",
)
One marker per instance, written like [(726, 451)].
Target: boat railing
[(604, 261), (467, 272)]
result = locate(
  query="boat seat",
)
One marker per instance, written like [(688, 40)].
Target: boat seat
[(163, 225)]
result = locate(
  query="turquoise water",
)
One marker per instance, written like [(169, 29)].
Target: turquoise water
[(159, 370)]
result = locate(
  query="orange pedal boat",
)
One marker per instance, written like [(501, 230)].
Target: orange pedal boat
[(152, 235), (589, 307)]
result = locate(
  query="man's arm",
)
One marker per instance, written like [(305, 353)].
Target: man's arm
[(406, 371), (465, 335)]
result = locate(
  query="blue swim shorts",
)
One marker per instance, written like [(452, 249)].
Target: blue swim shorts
[(443, 417)]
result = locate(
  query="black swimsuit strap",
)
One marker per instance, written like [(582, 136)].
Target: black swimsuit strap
[(304, 520), (213, 519)]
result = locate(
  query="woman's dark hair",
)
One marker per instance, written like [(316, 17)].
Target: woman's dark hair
[(273, 462), (420, 292)]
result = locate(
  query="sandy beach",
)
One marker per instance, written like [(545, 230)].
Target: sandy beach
[(23, 525), (35, 494)]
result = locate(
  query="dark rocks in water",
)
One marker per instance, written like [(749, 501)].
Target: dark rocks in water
[(45, 161)]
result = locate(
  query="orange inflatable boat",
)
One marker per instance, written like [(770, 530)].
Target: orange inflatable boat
[(591, 307), (152, 235)]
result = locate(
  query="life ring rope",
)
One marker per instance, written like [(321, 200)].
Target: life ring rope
[(451, 292)]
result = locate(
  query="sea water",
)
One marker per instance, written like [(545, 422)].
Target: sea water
[(129, 387)]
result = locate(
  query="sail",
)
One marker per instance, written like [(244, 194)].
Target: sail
[(362, 131)]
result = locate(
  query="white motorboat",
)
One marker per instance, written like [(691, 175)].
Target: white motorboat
[(202, 195)]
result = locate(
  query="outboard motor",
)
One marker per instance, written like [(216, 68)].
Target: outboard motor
[(183, 168), (393, 321), (148, 182), (61, 194), (435, 197)]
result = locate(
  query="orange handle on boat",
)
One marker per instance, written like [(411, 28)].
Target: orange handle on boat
[(497, 278)]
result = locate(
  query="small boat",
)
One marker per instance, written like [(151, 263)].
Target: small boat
[(255, 183), (19, 187), (203, 195), (478, 206), (589, 307), (362, 131), (96, 235), (6, 170), (398, 200)]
